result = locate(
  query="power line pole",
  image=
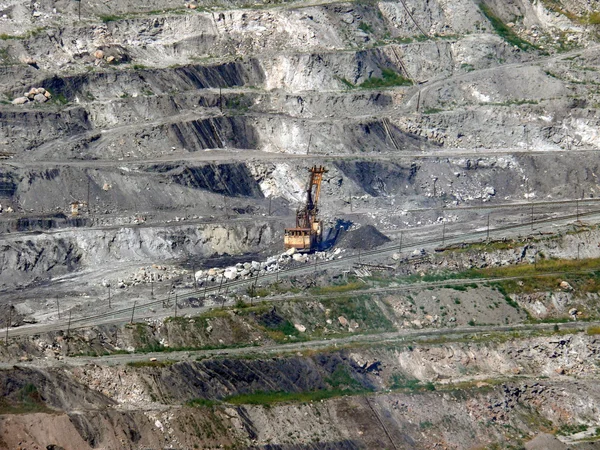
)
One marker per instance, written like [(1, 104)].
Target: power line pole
[(400, 248), (133, 311), (109, 305), (58, 307), (488, 228), (69, 325), (175, 304), (8, 322)]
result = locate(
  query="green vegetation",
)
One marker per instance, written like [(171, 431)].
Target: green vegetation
[(515, 102), (582, 274), (593, 330), (402, 382), (26, 400), (346, 82), (365, 27), (566, 430), (6, 37), (388, 78), (594, 18), (271, 397), (504, 31), (342, 379), (338, 288), (110, 18)]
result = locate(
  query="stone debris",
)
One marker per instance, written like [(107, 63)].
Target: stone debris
[(38, 95)]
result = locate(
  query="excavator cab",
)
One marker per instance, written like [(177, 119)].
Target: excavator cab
[(306, 235)]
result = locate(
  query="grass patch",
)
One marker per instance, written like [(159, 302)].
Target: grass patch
[(567, 430), (346, 83), (106, 18), (272, 397), (504, 31), (28, 400), (365, 27), (582, 274), (7, 37), (388, 78), (342, 379), (402, 382), (338, 288), (593, 330)]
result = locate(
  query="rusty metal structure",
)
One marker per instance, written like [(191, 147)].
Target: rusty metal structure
[(307, 233)]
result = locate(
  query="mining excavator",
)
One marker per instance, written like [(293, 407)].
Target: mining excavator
[(306, 236)]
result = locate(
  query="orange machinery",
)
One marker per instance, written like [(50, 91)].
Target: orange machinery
[(307, 234)]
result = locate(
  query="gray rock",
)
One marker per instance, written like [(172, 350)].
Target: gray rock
[(40, 98)]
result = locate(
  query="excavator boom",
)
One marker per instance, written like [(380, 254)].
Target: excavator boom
[(306, 236)]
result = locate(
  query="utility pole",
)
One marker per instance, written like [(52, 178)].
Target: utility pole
[(88, 191), (270, 203), (109, 296), (8, 322), (308, 146), (577, 210), (488, 228), (69, 325), (194, 275), (133, 311), (175, 304), (58, 307), (205, 285), (220, 100), (400, 248), (350, 203)]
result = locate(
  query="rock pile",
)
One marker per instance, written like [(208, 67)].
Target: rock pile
[(151, 274), (39, 95)]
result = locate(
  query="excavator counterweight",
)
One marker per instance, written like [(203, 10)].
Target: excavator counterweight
[(306, 235)]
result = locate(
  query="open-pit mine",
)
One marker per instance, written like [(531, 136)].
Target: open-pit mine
[(299, 224)]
